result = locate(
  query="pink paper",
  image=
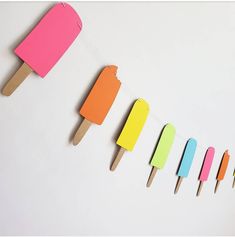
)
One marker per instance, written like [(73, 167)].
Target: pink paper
[(207, 164), (51, 37)]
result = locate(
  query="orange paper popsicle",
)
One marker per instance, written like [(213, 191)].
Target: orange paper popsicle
[(99, 101), (222, 169)]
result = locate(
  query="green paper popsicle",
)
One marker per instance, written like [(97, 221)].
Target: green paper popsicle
[(162, 151)]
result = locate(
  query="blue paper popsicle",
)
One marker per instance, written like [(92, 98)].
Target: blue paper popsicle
[(186, 161)]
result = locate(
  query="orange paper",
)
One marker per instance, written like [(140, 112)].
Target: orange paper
[(101, 96), (223, 166)]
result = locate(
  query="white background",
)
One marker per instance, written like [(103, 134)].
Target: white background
[(180, 57)]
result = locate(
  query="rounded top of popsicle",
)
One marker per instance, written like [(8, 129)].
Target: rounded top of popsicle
[(211, 149), (169, 125), (79, 21), (210, 152), (192, 140), (144, 103)]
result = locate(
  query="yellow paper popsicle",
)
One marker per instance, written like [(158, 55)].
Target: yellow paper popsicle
[(131, 129)]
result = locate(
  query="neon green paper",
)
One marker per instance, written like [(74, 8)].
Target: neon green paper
[(164, 146), (133, 125)]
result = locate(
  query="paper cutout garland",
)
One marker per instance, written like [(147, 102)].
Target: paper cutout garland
[(45, 44)]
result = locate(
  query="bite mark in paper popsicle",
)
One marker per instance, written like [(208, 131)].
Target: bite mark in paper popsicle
[(45, 44), (162, 151), (222, 169), (186, 161), (206, 167), (99, 101), (132, 129)]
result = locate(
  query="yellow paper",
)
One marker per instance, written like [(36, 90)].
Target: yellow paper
[(133, 125)]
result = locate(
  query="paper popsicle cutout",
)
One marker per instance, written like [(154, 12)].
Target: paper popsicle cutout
[(206, 168), (233, 179), (45, 44), (99, 101), (162, 151), (131, 130), (222, 169), (186, 161)]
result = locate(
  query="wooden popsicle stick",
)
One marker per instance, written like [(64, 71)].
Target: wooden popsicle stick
[(117, 158), (199, 188), (216, 186), (84, 126), (151, 176), (179, 181), (17, 79)]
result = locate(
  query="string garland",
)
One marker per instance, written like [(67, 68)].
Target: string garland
[(103, 94), (133, 94)]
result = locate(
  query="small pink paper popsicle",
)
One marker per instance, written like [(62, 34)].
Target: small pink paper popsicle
[(46, 43), (206, 167)]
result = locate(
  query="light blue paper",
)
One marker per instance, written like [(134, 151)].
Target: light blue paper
[(187, 158)]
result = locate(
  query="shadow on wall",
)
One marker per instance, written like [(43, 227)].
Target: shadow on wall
[(181, 159)]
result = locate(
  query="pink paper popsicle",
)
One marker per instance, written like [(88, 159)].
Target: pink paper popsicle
[(206, 167), (207, 164), (47, 42)]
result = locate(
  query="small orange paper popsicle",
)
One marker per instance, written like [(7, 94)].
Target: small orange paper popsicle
[(222, 169), (99, 101)]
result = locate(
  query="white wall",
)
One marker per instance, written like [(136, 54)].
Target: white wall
[(178, 56)]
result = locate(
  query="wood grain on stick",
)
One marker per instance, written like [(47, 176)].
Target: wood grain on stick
[(216, 186), (84, 126), (117, 158), (151, 177), (179, 181), (199, 188), (17, 79)]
